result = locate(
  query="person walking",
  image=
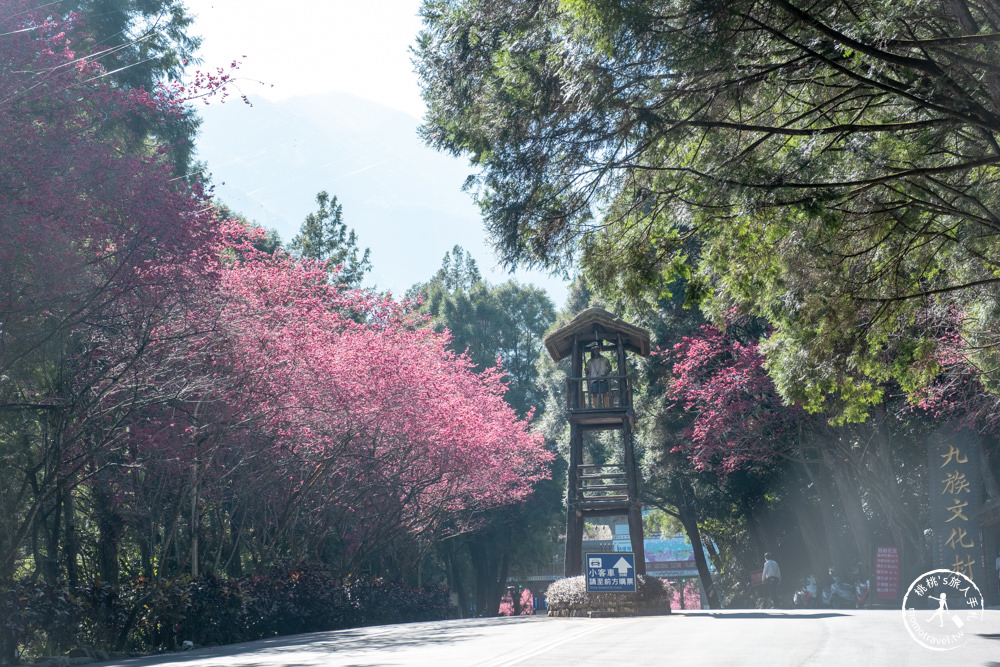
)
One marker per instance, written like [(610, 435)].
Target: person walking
[(771, 577)]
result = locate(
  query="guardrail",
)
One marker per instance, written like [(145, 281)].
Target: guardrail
[(598, 393)]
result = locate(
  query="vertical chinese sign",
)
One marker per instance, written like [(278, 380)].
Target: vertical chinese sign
[(887, 573), (956, 492)]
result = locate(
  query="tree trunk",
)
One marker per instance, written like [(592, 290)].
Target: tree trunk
[(195, 528), (688, 516), (849, 499), (815, 534), (757, 540), (456, 581), (52, 525), (71, 542), (234, 564), (491, 563), (109, 527), (713, 553)]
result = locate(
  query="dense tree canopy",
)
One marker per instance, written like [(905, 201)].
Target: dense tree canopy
[(494, 324), (831, 166), (176, 395), (139, 44), (497, 327), (99, 246)]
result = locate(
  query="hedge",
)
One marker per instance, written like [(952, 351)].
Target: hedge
[(147, 616)]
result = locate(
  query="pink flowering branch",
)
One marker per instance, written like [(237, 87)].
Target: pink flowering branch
[(739, 420)]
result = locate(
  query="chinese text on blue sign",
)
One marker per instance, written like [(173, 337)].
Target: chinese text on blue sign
[(611, 573)]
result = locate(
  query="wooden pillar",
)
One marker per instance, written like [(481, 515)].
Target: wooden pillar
[(573, 565), (624, 395), (575, 391), (636, 537), (635, 507)]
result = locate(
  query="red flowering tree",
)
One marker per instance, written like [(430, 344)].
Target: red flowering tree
[(329, 425), (383, 431), (178, 400), (741, 424), (100, 243), (739, 419)]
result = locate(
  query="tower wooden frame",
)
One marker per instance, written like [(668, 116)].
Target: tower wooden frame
[(600, 490)]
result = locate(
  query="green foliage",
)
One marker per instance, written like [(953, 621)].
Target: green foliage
[(503, 322), (146, 40), (458, 271), (35, 616), (832, 170), (325, 237)]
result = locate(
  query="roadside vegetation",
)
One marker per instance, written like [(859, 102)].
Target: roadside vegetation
[(209, 435)]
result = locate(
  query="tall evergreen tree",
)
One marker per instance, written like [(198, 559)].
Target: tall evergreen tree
[(324, 236), (139, 44), (496, 323), (838, 161)]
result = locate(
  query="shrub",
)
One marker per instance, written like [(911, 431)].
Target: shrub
[(146, 616), (293, 601), (570, 595), (382, 603), (36, 618), (214, 613)]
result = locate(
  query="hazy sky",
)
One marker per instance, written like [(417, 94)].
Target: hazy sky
[(301, 47), (298, 47)]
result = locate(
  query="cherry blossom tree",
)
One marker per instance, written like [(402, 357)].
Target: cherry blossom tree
[(99, 242), (385, 431), (169, 392), (320, 424), (740, 420)]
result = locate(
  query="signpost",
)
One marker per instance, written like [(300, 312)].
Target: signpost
[(887, 573), (956, 497), (611, 573)]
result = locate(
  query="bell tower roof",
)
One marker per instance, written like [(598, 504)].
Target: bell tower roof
[(596, 324)]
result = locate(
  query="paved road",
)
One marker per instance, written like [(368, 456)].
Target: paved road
[(702, 639)]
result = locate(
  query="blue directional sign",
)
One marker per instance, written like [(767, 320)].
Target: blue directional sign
[(610, 573)]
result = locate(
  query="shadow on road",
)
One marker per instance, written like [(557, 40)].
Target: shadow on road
[(309, 649), (773, 613)]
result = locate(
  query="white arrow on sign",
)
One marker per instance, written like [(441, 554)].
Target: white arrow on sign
[(622, 566)]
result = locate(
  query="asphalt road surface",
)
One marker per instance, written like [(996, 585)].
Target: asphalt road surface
[(772, 638)]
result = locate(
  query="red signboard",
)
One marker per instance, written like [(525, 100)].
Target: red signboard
[(887, 573)]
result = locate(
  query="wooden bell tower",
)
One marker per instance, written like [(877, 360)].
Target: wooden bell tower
[(599, 398)]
